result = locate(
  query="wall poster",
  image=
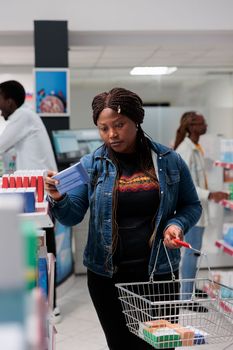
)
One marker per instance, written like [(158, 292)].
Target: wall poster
[(52, 95)]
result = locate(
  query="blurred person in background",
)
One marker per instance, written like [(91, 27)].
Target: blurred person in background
[(192, 126), (26, 133)]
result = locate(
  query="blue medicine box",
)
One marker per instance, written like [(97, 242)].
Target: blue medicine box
[(71, 177)]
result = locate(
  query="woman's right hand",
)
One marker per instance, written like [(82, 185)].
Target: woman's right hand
[(218, 196), (50, 186)]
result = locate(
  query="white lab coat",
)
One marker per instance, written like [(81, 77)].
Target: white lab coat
[(195, 162), (26, 132)]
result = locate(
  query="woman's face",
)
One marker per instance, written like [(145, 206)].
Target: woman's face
[(117, 131), (199, 126)]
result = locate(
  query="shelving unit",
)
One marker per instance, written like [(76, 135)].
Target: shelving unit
[(26, 323), (40, 217), (226, 248), (223, 164), (228, 204), (224, 305)]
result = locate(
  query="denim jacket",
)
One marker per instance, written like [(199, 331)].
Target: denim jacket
[(179, 205)]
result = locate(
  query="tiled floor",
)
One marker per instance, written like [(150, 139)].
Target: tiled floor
[(79, 328)]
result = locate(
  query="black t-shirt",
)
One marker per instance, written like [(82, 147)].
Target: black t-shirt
[(138, 201)]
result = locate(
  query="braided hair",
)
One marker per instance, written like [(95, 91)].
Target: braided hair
[(129, 104), (185, 121)]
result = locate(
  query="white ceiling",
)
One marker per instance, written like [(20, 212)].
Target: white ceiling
[(96, 57)]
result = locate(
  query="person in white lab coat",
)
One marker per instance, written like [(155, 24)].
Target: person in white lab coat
[(24, 131), (192, 126)]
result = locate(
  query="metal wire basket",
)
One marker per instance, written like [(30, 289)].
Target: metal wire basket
[(161, 315)]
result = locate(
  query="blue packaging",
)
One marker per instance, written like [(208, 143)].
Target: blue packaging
[(43, 276), (29, 201), (12, 305), (27, 194), (71, 177), (228, 237)]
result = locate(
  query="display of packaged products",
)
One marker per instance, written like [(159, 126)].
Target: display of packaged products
[(26, 179), (28, 195), (43, 275), (228, 233), (226, 150), (30, 248)]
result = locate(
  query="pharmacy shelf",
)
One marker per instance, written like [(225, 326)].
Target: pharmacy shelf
[(226, 306), (223, 164), (40, 217), (226, 248), (226, 203)]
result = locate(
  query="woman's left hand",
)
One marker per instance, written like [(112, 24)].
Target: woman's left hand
[(170, 233)]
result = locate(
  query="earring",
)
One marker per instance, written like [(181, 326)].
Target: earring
[(119, 109)]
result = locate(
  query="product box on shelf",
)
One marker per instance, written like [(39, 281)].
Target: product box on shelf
[(28, 195), (226, 150), (12, 266), (228, 233), (41, 238), (26, 179), (43, 271)]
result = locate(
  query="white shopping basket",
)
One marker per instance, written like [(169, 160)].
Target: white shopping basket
[(158, 312)]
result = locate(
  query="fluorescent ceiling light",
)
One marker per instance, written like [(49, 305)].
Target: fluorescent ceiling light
[(152, 70)]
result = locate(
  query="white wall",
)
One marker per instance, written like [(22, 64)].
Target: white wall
[(25, 79), (217, 98), (82, 96), (214, 100)]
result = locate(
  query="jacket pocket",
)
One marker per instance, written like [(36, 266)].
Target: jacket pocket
[(172, 177)]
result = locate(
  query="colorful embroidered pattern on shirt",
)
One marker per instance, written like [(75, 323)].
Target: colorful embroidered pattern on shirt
[(136, 183)]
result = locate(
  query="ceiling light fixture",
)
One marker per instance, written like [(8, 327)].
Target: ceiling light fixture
[(152, 70)]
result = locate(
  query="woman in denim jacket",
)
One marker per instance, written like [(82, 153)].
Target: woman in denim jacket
[(140, 192)]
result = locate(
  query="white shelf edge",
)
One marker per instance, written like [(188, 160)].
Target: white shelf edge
[(228, 249), (41, 218)]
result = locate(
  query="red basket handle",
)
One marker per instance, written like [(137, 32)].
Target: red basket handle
[(184, 244)]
